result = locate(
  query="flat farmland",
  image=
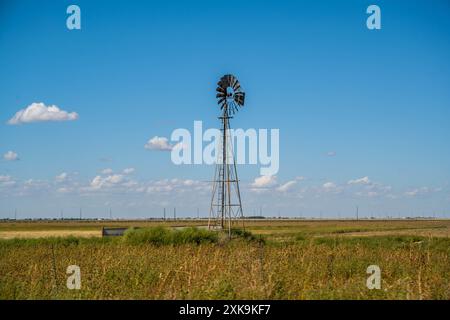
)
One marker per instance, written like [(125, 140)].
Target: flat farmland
[(284, 259), (278, 229)]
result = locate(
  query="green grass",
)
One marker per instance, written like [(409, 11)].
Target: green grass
[(165, 236)]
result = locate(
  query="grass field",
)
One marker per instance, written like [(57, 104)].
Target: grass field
[(320, 259)]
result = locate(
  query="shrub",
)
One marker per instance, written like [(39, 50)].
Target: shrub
[(246, 235), (194, 235), (162, 236), (156, 235)]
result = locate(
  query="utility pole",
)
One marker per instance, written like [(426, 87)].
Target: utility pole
[(357, 213), (174, 213), (198, 213), (110, 213), (62, 214), (15, 214), (81, 213), (164, 214)]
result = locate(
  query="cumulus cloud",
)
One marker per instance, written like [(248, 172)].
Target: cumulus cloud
[(36, 112), (420, 191), (107, 171), (61, 177), (11, 156), (287, 186), (112, 183), (115, 178), (109, 181), (264, 182), (329, 185), (97, 182), (6, 181), (330, 188), (130, 184), (364, 180), (63, 190), (160, 144), (412, 193), (4, 178), (178, 185), (36, 185)]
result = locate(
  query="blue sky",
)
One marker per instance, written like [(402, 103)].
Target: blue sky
[(350, 103)]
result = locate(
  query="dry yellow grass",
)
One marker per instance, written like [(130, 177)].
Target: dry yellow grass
[(313, 261), (236, 271), (49, 233)]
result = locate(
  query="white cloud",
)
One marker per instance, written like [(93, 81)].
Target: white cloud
[(11, 156), (178, 185), (189, 182), (157, 189), (418, 192), (109, 181), (412, 193), (63, 190), (287, 186), (128, 171), (96, 183), (264, 182), (370, 194), (36, 185), (61, 177), (130, 184), (329, 185), (107, 171), (5, 178), (160, 144), (116, 178), (331, 153), (6, 181), (40, 112), (364, 180)]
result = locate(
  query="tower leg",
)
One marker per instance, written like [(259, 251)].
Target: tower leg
[(226, 204)]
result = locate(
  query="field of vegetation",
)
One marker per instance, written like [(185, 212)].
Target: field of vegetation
[(273, 259)]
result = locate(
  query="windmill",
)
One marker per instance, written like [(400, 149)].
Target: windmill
[(226, 205)]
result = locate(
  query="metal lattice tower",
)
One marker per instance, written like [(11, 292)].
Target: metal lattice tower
[(226, 206)]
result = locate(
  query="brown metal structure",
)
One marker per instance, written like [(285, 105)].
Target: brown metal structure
[(226, 205)]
